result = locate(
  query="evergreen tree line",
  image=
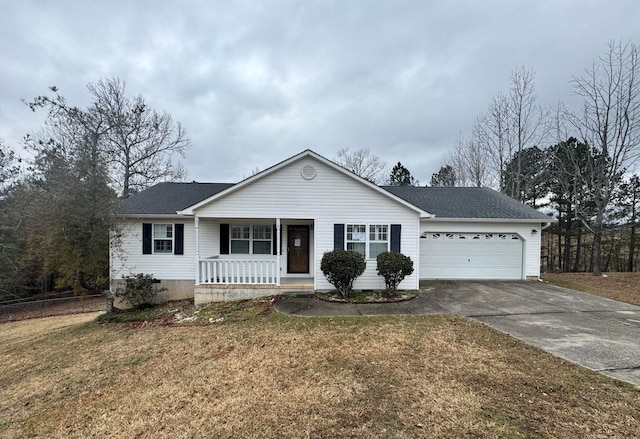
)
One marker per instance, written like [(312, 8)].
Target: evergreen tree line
[(553, 180), (56, 210)]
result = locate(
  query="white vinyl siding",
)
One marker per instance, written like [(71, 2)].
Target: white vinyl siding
[(331, 197), (127, 258)]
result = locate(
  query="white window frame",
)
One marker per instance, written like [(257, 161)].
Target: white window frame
[(243, 228), (251, 238), (171, 238), (367, 241), (269, 229), (355, 234), (378, 231)]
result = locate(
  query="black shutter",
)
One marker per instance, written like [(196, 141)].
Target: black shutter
[(338, 236), (395, 238), (179, 239), (274, 241), (146, 238), (224, 239)]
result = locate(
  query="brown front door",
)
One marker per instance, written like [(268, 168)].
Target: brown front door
[(297, 249)]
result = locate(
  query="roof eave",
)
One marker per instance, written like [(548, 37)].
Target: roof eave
[(495, 220), (150, 215)]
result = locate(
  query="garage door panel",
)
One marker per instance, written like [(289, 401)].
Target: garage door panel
[(470, 256)]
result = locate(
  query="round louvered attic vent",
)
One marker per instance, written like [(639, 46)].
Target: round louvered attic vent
[(308, 172)]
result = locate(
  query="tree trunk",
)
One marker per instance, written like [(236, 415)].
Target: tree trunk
[(559, 268), (596, 253), (611, 248), (632, 238), (576, 264), (566, 262)]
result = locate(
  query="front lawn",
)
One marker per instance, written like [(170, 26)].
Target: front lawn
[(249, 372)]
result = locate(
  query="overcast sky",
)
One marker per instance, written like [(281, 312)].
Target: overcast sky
[(257, 82)]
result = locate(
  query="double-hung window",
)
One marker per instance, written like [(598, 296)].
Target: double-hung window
[(240, 239), (163, 238), (247, 239), (262, 240), (368, 240), (378, 239), (357, 238)]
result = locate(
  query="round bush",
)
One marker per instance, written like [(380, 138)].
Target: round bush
[(342, 268), (139, 290), (394, 267)]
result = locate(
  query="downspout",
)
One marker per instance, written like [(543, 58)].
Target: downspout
[(197, 227), (278, 236)]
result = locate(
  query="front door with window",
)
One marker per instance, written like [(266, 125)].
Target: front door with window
[(298, 249)]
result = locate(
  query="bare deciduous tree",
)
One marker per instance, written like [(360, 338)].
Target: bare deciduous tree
[(610, 124), (364, 163), (137, 143), (491, 130), (141, 141), (512, 123), (470, 162)]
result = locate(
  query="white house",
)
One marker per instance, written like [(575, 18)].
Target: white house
[(267, 234)]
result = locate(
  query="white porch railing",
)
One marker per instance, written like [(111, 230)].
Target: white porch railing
[(238, 271)]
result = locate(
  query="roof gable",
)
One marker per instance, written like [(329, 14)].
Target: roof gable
[(304, 154)]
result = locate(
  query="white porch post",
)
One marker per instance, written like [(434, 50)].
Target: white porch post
[(278, 236), (197, 227)]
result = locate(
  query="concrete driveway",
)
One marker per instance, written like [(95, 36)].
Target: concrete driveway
[(597, 333)]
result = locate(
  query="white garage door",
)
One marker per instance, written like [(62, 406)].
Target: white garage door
[(470, 256)]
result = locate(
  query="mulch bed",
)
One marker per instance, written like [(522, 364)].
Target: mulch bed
[(367, 298)]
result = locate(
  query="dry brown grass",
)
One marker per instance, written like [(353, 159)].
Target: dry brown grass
[(624, 287), (277, 376)]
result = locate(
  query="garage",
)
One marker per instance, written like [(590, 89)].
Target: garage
[(449, 255)]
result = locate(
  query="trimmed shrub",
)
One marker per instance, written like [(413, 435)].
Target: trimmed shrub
[(342, 268), (139, 290), (394, 267)]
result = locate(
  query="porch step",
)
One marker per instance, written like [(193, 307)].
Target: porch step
[(206, 293)]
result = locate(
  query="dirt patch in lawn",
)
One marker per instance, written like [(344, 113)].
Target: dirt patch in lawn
[(185, 313), (624, 287), (275, 376)]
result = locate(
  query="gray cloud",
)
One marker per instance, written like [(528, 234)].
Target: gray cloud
[(256, 82)]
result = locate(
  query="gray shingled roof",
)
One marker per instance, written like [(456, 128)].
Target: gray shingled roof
[(465, 202), (444, 202), (168, 198)]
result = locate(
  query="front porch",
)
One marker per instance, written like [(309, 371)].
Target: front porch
[(207, 293), (248, 258)]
